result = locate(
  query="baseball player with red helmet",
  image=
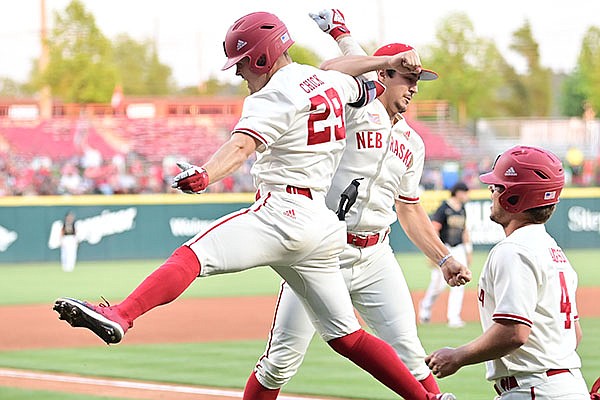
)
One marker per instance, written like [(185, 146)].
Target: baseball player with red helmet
[(387, 155), (294, 119), (526, 289)]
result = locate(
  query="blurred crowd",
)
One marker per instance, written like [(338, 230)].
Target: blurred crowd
[(90, 174), (132, 174)]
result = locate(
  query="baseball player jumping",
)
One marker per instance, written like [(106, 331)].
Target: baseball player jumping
[(294, 119), (526, 289), (388, 156)]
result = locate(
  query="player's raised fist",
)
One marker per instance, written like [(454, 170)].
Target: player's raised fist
[(331, 21), (192, 179), (407, 61)]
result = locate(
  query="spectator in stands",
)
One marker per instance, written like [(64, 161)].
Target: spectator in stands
[(71, 182)]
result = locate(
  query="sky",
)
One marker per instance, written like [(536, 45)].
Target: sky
[(189, 33)]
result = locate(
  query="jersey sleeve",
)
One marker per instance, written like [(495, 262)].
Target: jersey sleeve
[(515, 283), (266, 116), (409, 190), (349, 46), (440, 214)]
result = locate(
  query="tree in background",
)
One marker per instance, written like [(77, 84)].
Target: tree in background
[(584, 84), (536, 81), (467, 66), (11, 88), (477, 80), (85, 66), (80, 68), (139, 70)]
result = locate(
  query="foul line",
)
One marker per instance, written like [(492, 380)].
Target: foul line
[(156, 387)]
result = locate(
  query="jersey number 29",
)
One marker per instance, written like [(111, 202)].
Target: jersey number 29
[(329, 104)]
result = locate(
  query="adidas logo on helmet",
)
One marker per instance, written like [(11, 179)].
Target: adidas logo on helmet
[(240, 44), (510, 172)]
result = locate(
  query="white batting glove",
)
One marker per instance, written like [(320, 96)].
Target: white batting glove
[(192, 179), (331, 21)]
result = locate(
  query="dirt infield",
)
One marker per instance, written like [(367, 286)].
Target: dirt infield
[(185, 320)]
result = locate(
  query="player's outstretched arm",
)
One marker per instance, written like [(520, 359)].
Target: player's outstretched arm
[(227, 159), (503, 337), (418, 228), (405, 62)]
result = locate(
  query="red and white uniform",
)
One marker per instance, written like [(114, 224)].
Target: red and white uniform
[(390, 159), (298, 117), (528, 279)]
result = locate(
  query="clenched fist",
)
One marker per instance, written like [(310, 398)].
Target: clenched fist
[(192, 179), (407, 61)]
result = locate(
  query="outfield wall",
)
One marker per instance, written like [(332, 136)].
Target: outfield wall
[(152, 226)]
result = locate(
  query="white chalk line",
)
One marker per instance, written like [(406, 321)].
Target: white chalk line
[(155, 387)]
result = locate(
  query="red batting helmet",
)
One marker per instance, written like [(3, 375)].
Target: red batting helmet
[(532, 177), (394, 48), (261, 37)]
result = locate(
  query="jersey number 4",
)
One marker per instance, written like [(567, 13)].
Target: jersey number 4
[(565, 303), (326, 106)]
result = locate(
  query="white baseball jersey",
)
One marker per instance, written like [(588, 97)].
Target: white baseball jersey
[(297, 235), (389, 158), (528, 279), (300, 147)]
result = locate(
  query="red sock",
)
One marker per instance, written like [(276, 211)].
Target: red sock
[(254, 390), (380, 360), (163, 285), (430, 384)]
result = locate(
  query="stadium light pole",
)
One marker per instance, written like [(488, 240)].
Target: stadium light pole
[(45, 95)]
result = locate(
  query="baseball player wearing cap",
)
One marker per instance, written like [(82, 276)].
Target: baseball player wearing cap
[(388, 156), (527, 289), (450, 220), (294, 119)]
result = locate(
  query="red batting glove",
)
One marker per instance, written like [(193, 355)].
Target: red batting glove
[(192, 179), (331, 21)]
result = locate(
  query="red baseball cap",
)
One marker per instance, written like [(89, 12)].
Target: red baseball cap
[(394, 48)]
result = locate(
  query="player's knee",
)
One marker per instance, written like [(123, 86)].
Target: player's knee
[(273, 378), (278, 368)]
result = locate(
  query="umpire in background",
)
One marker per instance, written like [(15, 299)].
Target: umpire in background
[(450, 221)]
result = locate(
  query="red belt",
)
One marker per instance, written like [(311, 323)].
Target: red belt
[(296, 190), (362, 241), (510, 382), (292, 190)]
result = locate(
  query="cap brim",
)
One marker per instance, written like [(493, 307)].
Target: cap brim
[(428, 75)]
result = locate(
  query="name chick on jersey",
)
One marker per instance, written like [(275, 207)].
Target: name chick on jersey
[(370, 140)]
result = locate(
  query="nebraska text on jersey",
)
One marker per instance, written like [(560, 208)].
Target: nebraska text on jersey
[(401, 151)]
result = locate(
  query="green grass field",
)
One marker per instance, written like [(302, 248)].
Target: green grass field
[(227, 364)]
